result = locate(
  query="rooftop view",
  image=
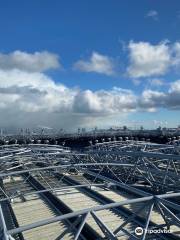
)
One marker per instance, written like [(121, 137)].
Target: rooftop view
[(89, 120)]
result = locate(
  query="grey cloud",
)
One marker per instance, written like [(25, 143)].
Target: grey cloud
[(104, 102), (31, 62), (42, 101), (30, 99), (21, 90), (155, 99)]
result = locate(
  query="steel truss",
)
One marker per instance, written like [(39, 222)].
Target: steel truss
[(149, 172)]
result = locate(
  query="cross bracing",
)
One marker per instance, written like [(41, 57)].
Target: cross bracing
[(104, 191)]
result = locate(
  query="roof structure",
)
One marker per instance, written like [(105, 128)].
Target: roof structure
[(110, 190)]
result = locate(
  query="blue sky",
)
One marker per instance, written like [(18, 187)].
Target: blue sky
[(113, 33)]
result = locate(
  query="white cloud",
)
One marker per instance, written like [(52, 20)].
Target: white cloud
[(152, 14), (33, 98), (148, 60), (97, 63), (28, 99), (35, 62), (116, 100), (35, 91)]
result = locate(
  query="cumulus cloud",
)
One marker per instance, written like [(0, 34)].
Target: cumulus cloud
[(29, 98), (97, 63), (33, 98), (116, 100), (35, 62), (152, 14), (151, 100), (35, 92), (157, 99), (148, 60)]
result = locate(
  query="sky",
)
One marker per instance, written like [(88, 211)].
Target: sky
[(88, 63)]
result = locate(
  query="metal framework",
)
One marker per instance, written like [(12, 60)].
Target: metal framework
[(121, 186)]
